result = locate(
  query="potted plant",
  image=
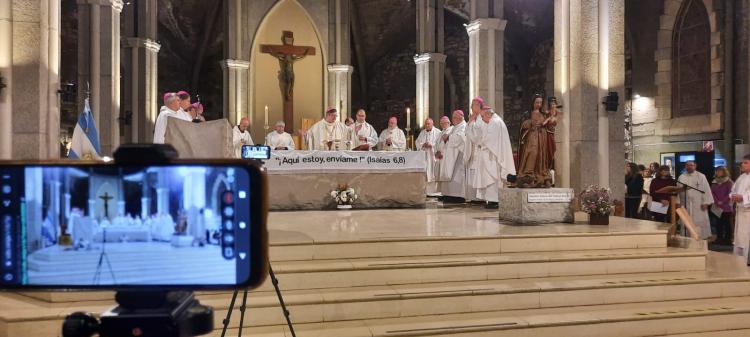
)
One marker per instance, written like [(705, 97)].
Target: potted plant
[(596, 201), (344, 197)]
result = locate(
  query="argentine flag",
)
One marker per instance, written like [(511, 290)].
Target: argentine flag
[(85, 142)]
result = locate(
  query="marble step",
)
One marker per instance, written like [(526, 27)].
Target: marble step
[(705, 317), (332, 305), (291, 247), (448, 268), (299, 275)]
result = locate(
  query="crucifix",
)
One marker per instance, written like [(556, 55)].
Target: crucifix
[(287, 54), (106, 197)]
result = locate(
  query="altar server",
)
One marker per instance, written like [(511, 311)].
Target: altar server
[(740, 195)]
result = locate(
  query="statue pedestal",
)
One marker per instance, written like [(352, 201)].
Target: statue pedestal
[(536, 205)]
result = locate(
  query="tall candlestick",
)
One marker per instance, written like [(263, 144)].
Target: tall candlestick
[(408, 118), (266, 119)]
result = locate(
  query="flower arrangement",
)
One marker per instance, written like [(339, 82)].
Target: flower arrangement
[(344, 196), (596, 200)]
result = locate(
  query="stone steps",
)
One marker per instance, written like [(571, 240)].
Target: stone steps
[(705, 317), (332, 305), (302, 248), (295, 275)]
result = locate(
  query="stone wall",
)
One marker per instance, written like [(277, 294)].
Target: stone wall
[(182, 26)]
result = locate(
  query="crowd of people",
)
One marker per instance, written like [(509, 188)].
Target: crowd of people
[(720, 209)]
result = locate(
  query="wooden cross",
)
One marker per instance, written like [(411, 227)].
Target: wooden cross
[(106, 197), (287, 54)]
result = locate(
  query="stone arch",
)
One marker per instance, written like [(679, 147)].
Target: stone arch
[(673, 124), (311, 28)]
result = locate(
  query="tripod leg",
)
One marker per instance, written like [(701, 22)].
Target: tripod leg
[(111, 271), (229, 314), (242, 312), (287, 315), (98, 272)]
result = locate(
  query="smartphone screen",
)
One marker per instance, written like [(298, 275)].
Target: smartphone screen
[(114, 226), (256, 152)]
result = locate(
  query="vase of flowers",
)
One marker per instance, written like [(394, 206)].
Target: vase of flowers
[(597, 202), (344, 197)]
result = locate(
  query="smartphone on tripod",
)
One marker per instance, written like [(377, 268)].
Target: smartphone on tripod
[(161, 229)]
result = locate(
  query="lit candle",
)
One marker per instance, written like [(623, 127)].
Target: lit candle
[(266, 120), (408, 118)]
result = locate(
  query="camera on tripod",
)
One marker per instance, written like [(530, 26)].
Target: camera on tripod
[(149, 225)]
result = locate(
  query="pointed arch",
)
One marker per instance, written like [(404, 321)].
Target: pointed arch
[(691, 60), (310, 84)]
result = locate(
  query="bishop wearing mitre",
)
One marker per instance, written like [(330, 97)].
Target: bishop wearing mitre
[(329, 134)]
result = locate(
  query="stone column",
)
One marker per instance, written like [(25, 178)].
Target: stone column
[(589, 62), (235, 78), (430, 60), (339, 77), (140, 53), (340, 89), (486, 52), (29, 59), (486, 61), (162, 200), (430, 86), (141, 88), (99, 65), (6, 75), (235, 66)]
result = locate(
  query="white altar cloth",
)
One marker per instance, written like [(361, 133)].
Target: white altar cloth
[(293, 162)]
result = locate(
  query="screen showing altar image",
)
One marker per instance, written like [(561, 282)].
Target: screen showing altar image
[(125, 225)]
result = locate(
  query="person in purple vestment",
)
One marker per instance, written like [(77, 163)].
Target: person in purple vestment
[(721, 186)]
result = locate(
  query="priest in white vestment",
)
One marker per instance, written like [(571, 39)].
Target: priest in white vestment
[(278, 139), (446, 128), (470, 152), (740, 195), (392, 138), (241, 136), (494, 160), (170, 108), (365, 136), (426, 141), (454, 184), (329, 134), (695, 202)]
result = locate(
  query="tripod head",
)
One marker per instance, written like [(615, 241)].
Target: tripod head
[(145, 314)]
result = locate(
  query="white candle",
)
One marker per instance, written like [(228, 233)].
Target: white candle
[(408, 118), (266, 120)]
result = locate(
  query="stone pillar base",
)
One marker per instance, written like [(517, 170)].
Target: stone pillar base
[(528, 206)]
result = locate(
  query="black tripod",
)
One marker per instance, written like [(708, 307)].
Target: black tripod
[(103, 258), (275, 282)]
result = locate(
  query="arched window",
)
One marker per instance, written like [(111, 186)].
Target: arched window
[(691, 61)]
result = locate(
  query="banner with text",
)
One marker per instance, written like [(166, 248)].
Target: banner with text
[(287, 162)]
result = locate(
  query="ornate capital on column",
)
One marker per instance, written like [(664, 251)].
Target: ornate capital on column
[(340, 68), (115, 4), (136, 42), (234, 64), (427, 57), (486, 24)]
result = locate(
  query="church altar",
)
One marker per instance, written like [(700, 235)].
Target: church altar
[(304, 179)]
